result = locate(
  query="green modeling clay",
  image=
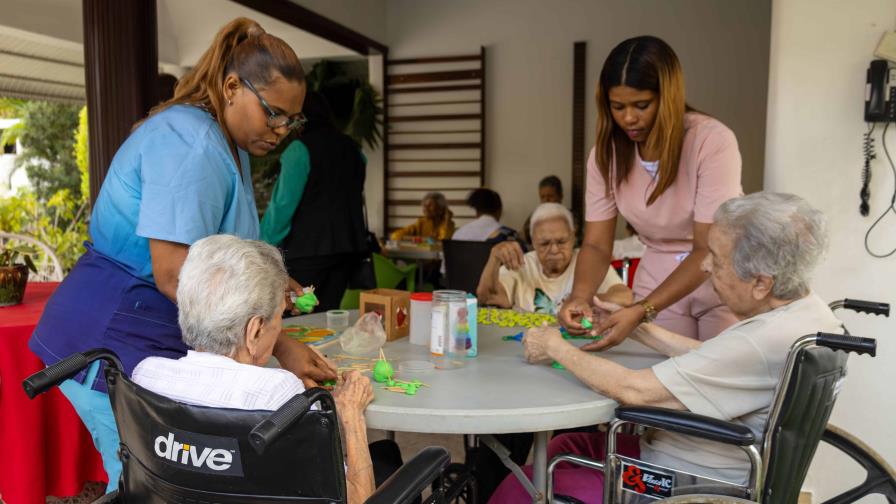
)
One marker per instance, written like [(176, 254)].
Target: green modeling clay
[(329, 383), (586, 323), (557, 365), (382, 371), (306, 302)]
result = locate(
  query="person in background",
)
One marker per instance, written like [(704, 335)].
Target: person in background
[(233, 339), (665, 168), (550, 190), (316, 213), (437, 222), (541, 280), (182, 175), (487, 226)]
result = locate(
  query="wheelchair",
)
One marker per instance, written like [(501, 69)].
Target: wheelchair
[(797, 421), (175, 452)]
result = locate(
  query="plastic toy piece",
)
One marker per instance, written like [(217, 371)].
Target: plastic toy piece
[(382, 370), (516, 337), (307, 301)]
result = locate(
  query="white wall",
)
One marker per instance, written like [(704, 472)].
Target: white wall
[(367, 17), (819, 52), (723, 46)]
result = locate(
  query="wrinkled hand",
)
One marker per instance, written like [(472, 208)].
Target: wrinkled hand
[(615, 328), (353, 395), (537, 343), (307, 363), (571, 313), (509, 254)]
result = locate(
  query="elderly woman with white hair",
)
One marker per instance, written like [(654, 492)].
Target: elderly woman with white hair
[(762, 250), (539, 281), (230, 301)]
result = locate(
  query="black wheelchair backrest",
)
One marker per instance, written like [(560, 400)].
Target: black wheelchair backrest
[(792, 435), (170, 450)]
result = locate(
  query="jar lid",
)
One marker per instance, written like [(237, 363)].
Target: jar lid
[(422, 296)]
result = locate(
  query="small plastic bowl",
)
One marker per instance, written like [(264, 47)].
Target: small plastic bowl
[(415, 367)]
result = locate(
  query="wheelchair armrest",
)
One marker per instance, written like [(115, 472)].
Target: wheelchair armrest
[(268, 430), (49, 377), (409, 481), (685, 422)]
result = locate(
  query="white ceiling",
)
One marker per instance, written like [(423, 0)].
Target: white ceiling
[(41, 54)]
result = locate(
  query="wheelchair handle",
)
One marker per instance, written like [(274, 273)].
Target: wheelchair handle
[(47, 378), (847, 343), (870, 307), (269, 429)]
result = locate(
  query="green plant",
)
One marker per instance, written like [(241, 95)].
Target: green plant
[(47, 156), (357, 106), (10, 254)]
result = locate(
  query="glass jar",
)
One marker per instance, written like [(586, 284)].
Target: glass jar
[(450, 328)]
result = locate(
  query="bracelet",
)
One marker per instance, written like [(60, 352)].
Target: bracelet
[(649, 311)]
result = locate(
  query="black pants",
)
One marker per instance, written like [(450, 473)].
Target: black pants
[(329, 275)]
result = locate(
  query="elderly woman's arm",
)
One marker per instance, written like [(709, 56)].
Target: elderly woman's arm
[(490, 292), (631, 387), (352, 398)]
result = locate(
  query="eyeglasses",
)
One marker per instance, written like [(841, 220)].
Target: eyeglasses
[(276, 120)]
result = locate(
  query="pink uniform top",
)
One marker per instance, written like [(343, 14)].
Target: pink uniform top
[(708, 175)]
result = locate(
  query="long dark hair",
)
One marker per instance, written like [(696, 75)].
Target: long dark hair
[(645, 63)]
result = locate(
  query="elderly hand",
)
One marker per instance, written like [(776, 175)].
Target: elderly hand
[(615, 327), (353, 395), (509, 254), (538, 343), (571, 313)]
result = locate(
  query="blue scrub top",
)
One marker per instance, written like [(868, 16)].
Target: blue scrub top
[(173, 179)]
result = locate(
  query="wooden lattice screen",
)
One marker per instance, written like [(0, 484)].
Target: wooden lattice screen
[(436, 134)]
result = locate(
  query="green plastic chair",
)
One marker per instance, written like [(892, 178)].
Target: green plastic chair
[(351, 300), (389, 275)]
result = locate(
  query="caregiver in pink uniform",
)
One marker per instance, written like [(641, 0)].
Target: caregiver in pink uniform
[(666, 169)]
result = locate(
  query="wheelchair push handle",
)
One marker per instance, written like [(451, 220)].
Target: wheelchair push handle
[(847, 343), (870, 307), (47, 378), (269, 429)]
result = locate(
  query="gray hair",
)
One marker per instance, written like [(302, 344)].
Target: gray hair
[(775, 234), (439, 198), (548, 211), (224, 283)]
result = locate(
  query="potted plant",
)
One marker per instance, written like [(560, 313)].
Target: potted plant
[(13, 275)]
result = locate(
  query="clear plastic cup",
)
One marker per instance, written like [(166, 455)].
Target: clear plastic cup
[(337, 320)]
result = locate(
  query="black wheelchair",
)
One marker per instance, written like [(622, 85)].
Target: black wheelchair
[(175, 452), (804, 399)]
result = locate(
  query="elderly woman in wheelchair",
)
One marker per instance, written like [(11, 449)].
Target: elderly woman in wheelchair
[(230, 303), (763, 248)]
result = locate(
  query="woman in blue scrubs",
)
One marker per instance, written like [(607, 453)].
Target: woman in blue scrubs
[(182, 174)]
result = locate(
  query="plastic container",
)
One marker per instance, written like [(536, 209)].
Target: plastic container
[(414, 367), (421, 317), (337, 320), (449, 328), (472, 316)]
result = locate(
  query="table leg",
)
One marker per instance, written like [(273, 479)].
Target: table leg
[(390, 435), (540, 465)]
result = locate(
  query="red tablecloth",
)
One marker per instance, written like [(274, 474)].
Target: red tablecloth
[(44, 447)]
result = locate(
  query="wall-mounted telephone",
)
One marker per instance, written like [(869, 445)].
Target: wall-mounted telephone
[(880, 92)]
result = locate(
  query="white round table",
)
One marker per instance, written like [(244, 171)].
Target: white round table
[(494, 393)]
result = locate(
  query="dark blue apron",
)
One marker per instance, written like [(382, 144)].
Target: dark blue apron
[(101, 305)]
